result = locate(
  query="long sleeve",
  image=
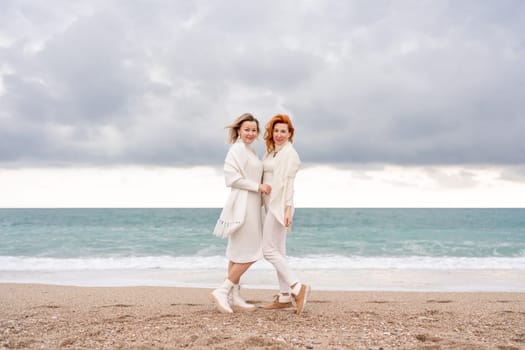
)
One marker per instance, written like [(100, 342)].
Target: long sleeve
[(234, 169), (288, 196), (287, 164), (245, 184), (290, 179)]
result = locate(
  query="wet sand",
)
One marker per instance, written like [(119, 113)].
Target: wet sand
[(63, 317)]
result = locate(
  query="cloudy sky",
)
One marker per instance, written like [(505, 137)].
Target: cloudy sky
[(396, 103)]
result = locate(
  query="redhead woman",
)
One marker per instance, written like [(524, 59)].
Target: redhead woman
[(281, 164), (240, 219)]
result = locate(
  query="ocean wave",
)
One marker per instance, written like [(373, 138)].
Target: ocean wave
[(311, 262)]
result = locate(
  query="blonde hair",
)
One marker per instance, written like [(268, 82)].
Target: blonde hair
[(236, 126)]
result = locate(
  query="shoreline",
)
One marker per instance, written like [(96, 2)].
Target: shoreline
[(33, 316), (388, 279)]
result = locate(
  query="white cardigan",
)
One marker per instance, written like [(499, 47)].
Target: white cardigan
[(287, 164), (234, 211)]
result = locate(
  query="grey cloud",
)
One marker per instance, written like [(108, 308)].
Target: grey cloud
[(417, 82), (458, 102), (514, 173), (462, 179)]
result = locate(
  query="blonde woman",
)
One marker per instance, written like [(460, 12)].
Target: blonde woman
[(281, 164), (240, 218)]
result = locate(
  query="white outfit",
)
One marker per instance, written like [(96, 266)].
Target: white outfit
[(279, 172), (286, 166), (244, 245)]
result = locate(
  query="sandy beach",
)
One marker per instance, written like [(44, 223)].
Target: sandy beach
[(63, 317)]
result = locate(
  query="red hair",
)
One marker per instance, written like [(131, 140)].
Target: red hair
[(268, 134)]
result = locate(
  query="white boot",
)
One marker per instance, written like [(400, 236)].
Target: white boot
[(237, 302), (220, 297)]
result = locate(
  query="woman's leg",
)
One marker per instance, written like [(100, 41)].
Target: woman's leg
[(221, 295), (230, 265), (236, 270), (274, 250), (234, 275)]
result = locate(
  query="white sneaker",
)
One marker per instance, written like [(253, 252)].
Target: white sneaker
[(237, 302), (220, 297)]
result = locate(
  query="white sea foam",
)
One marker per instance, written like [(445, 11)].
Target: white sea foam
[(312, 262), (323, 272)]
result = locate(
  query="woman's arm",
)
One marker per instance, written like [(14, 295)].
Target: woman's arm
[(247, 185), (288, 216), (289, 189)]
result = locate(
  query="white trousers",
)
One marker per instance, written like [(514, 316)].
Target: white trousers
[(274, 250)]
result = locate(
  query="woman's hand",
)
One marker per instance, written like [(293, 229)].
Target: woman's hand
[(288, 216), (265, 188)]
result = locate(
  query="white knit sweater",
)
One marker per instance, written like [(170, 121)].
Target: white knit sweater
[(287, 164), (234, 211)]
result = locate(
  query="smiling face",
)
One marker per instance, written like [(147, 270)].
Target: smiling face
[(248, 132), (281, 134)]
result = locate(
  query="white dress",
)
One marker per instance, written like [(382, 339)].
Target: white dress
[(245, 245), (268, 166)]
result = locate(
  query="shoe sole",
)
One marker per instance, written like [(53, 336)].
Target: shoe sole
[(306, 296), (218, 305), (272, 307), (243, 309), (277, 308)]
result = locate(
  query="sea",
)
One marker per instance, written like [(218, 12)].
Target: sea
[(330, 248)]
